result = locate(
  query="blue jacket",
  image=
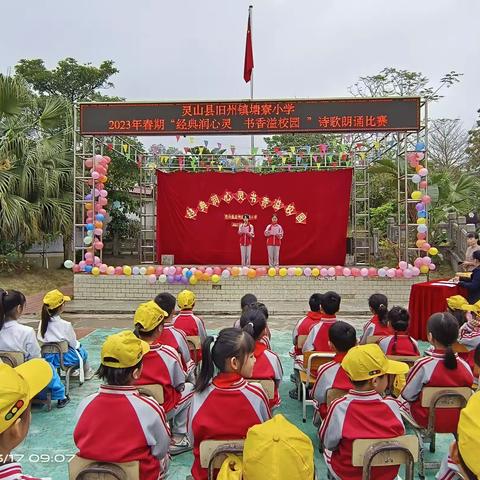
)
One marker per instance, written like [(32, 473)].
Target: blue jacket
[(473, 286)]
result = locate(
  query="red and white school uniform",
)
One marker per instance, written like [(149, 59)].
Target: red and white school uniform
[(176, 339), (246, 234), (225, 410), (448, 470), (469, 337), (162, 366), (358, 415), (191, 326), (330, 375), (430, 371), (117, 424), (399, 345), (303, 327), (374, 328), (317, 339), (13, 471), (268, 367)]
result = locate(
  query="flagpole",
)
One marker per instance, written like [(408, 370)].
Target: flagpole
[(250, 11)]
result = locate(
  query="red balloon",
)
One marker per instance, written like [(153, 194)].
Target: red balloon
[(372, 272), (355, 272)]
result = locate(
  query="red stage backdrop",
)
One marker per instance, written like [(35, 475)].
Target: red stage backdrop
[(198, 215)]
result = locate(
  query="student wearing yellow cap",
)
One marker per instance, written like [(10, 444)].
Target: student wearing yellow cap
[(53, 328), (462, 461), (17, 337), (188, 322), (162, 365), (17, 388), (455, 304), (348, 417), (117, 424)]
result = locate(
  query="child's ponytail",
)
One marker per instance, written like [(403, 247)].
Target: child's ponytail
[(207, 369), (45, 320), (254, 322), (444, 330), (8, 301), (230, 343), (379, 304)]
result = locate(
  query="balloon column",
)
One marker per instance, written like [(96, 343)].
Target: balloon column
[(420, 195)]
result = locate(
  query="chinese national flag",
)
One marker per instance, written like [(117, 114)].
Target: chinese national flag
[(248, 65)]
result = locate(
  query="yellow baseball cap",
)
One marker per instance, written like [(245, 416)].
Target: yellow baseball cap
[(456, 302), (123, 350), (364, 362), (469, 434), (54, 298), (475, 308), (277, 448), (186, 299), (18, 386), (149, 315)]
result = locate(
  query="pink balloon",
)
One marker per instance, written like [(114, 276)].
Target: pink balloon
[(364, 272), (307, 272), (426, 199), (209, 270), (103, 193), (408, 273), (89, 162), (399, 273), (98, 231), (89, 214), (103, 267), (107, 158), (403, 265), (426, 247), (421, 236), (89, 261), (423, 184), (412, 156), (118, 270), (427, 260), (89, 256), (217, 271), (432, 266), (96, 192), (97, 259), (95, 175), (291, 271), (355, 272), (391, 273), (159, 270), (418, 262), (102, 201), (101, 170), (347, 272), (152, 279), (372, 272), (324, 272), (98, 245), (102, 211), (110, 270), (331, 272), (416, 271), (82, 264), (76, 268), (202, 269), (338, 270)]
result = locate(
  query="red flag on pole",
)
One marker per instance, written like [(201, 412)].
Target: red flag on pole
[(248, 65)]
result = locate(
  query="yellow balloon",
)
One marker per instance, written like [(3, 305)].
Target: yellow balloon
[(315, 272), (127, 270), (424, 269), (272, 272), (298, 271), (416, 195), (193, 280), (95, 271), (282, 272), (215, 278), (421, 221), (433, 251), (252, 273)]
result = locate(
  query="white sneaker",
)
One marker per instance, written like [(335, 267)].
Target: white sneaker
[(180, 447), (89, 374)]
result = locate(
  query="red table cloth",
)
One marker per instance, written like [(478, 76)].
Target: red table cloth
[(425, 299)]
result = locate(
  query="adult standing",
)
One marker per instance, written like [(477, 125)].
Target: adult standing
[(472, 246), (246, 234), (472, 284), (274, 234)]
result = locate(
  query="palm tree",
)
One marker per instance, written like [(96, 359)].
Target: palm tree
[(35, 168)]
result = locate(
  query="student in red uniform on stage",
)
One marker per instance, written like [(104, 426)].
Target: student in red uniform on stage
[(225, 406), (469, 334), (117, 424), (188, 323), (246, 234), (172, 336), (342, 338), (377, 325), (399, 343), (267, 363), (18, 386), (274, 234), (441, 368), (362, 413), (162, 366), (317, 339)]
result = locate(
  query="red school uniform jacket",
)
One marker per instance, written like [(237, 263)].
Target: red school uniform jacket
[(304, 326), (374, 328), (330, 375), (317, 339), (162, 365), (117, 424), (273, 233), (191, 326), (268, 367), (430, 371), (246, 234), (225, 410), (359, 415), (399, 345), (470, 338), (176, 339)]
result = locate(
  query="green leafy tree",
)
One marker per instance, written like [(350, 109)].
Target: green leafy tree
[(473, 147), (68, 79)]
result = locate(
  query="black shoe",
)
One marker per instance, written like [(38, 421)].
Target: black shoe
[(293, 394), (293, 378), (62, 403)]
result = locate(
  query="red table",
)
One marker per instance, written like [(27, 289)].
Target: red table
[(425, 299)]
